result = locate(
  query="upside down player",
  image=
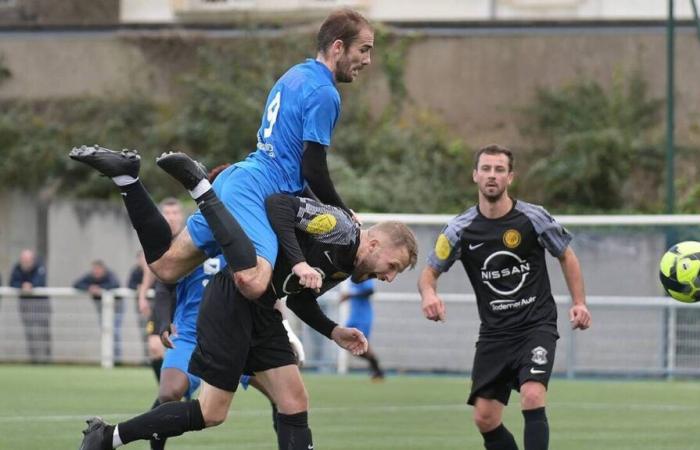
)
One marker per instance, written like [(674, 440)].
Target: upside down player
[(296, 128), (236, 335), (501, 243), (180, 336)]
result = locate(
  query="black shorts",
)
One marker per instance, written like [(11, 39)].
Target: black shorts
[(504, 365), (236, 336)]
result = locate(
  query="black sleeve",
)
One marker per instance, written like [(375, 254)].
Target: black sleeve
[(315, 171), (305, 306), (282, 211), (164, 305)]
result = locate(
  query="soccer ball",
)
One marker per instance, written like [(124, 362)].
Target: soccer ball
[(680, 271)]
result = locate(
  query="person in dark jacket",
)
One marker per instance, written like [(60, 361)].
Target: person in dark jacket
[(35, 310), (97, 280)]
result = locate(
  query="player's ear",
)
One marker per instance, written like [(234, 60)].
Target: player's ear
[(474, 175), (337, 47)]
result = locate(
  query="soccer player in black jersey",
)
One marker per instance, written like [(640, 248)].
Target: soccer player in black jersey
[(236, 335), (501, 243)]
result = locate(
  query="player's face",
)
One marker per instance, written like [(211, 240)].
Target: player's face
[(355, 57), (383, 262), (173, 215), (492, 176)]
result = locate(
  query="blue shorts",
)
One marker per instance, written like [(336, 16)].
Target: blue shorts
[(245, 381), (364, 326), (179, 358), (243, 191)]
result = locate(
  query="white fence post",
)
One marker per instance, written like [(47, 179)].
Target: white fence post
[(107, 330)]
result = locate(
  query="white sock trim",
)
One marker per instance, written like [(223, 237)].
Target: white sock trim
[(202, 187), (116, 440), (124, 180)]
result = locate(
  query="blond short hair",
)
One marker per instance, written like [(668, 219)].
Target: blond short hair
[(400, 235)]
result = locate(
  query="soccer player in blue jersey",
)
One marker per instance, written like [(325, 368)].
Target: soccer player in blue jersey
[(296, 128), (361, 317), (501, 243)]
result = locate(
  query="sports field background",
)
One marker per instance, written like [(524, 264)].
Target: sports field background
[(43, 407)]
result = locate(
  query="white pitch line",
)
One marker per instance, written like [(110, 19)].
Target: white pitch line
[(379, 408)]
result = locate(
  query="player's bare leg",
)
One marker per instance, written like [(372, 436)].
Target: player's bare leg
[(285, 386), (252, 274), (488, 417), (533, 396)]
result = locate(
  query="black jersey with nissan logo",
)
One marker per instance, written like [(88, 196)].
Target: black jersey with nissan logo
[(504, 259)]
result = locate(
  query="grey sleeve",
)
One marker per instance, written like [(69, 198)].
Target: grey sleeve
[(550, 234), (447, 249), (328, 224)]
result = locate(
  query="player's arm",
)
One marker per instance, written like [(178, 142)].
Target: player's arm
[(314, 166), (579, 315), (149, 279), (432, 305), (306, 307), (164, 305), (282, 212)]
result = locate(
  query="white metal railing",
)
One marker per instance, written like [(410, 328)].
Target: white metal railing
[(653, 336)]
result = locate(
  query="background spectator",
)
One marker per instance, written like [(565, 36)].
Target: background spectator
[(35, 310), (100, 278)]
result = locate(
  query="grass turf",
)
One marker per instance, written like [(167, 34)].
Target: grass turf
[(43, 407)]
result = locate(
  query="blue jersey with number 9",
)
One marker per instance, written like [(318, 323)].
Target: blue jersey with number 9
[(304, 105)]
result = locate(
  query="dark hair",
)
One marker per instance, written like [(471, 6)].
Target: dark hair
[(213, 173), (343, 24), (494, 149)]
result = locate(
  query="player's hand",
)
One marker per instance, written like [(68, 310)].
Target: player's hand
[(167, 334), (580, 317), (144, 307), (433, 308), (308, 276), (351, 339)]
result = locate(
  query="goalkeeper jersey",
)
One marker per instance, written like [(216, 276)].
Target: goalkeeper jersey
[(505, 262)]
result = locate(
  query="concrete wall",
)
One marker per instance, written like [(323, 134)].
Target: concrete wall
[(478, 80)]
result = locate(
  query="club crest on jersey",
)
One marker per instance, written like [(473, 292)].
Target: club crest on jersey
[(539, 355), (512, 238), (442, 247), (322, 224)]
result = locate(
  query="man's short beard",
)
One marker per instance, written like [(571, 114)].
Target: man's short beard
[(343, 74), (494, 198)]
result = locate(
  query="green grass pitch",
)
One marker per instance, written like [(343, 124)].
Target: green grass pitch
[(43, 407)]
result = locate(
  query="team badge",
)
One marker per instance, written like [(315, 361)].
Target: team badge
[(512, 238), (442, 247), (539, 355), (322, 224)]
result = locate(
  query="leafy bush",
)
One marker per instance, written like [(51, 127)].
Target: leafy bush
[(594, 148)]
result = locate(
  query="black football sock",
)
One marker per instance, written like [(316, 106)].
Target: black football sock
[(156, 364), (150, 225), (536, 434), (274, 416), (374, 365), (293, 431), (499, 439), (157, 444), (169, 419), (235, 244)]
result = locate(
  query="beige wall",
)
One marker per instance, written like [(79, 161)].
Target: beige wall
[(477, 81)]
